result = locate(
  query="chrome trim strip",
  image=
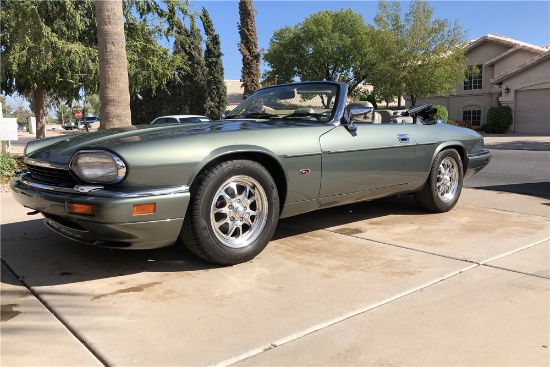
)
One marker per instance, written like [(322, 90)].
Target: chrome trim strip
[(365, 149), (375, 148), (301, 155), (35, 162), (99, 191), (84, 188), (478, 154)]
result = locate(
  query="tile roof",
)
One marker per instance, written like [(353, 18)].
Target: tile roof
[(505, 41), (511, 51), (527, 64)]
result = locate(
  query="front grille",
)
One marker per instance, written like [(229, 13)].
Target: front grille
[(51, 175)]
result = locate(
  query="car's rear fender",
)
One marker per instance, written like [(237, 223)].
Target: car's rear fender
[(456, 145), (423, 165)]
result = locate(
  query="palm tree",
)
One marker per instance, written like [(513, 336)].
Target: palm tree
[(113, 66)]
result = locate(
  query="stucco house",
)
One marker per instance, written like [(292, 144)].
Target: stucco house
[(235, 92), (512, 72)]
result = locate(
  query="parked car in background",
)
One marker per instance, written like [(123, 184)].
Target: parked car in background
[(175, 119), (69, 125), (89, 120), (221, 186)]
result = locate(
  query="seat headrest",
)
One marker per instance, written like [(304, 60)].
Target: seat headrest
[(360, 104)]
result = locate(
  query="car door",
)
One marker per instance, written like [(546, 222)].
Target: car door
[(372, 157)]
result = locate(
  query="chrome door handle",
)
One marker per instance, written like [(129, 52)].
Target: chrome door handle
[(403, 138)]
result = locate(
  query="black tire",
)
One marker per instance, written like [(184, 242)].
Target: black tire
[(444, 185), (233, 212)]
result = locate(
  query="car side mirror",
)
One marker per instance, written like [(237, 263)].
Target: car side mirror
[(358, 114), (361, 114)]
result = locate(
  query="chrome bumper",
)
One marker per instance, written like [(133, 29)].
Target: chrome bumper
[(94, 190), (113, 223), (476, 162)]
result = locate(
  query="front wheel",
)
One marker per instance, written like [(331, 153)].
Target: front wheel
[(233, 212), (444, 185)]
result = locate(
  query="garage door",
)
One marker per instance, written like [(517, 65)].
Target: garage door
[(533, 111)]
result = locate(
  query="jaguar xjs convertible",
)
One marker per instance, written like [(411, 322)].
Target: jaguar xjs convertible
[(222, 186)]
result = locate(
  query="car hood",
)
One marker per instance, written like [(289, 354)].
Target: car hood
[(61, 149)]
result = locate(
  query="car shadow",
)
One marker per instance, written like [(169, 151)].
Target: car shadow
[(41, 257), (520, 145), (535, 189)]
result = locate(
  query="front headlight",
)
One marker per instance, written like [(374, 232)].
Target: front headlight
[(98, 166)]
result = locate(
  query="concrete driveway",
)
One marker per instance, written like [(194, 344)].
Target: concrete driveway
[(378, 283)]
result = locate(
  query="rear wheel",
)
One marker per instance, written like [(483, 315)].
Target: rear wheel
[(444, 185), (233, 213)]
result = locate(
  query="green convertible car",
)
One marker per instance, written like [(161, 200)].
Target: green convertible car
[(222, 186)]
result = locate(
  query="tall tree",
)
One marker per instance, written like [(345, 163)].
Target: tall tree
[(151, 100), (328, 45), (427, 57), (248, 47), (52, 47), (46, 46), (216, 101), (114, 92), (194, 83)]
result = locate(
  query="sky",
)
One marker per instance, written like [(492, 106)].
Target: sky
[(526, 21)]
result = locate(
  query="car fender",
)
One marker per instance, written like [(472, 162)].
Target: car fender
[(229, 152), (454, 144)]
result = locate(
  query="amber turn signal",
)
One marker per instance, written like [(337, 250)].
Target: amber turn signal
[(79, 208), (147, 208)]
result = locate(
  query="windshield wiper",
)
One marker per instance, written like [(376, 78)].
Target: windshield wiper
[(304, 114), (259, 115), (252, 115)]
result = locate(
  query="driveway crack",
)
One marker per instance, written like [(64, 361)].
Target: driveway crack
[(52, 312)]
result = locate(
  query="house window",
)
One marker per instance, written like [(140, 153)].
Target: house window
[(473, 116), (474, 81)]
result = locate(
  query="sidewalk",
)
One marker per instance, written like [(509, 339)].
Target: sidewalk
[(377, 283), (18, 146)]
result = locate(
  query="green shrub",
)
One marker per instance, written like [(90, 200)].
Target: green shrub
[(442, 112), (9, 164), (499, 119)]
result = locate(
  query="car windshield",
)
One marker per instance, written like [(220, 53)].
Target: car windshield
[(300, 101), (193, 119)]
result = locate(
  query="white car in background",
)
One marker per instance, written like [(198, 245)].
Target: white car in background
[(175, 119)]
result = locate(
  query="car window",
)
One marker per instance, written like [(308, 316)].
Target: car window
[(160, 120), (194, 119)]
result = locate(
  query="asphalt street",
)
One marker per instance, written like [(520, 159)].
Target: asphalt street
[(521, 167)]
